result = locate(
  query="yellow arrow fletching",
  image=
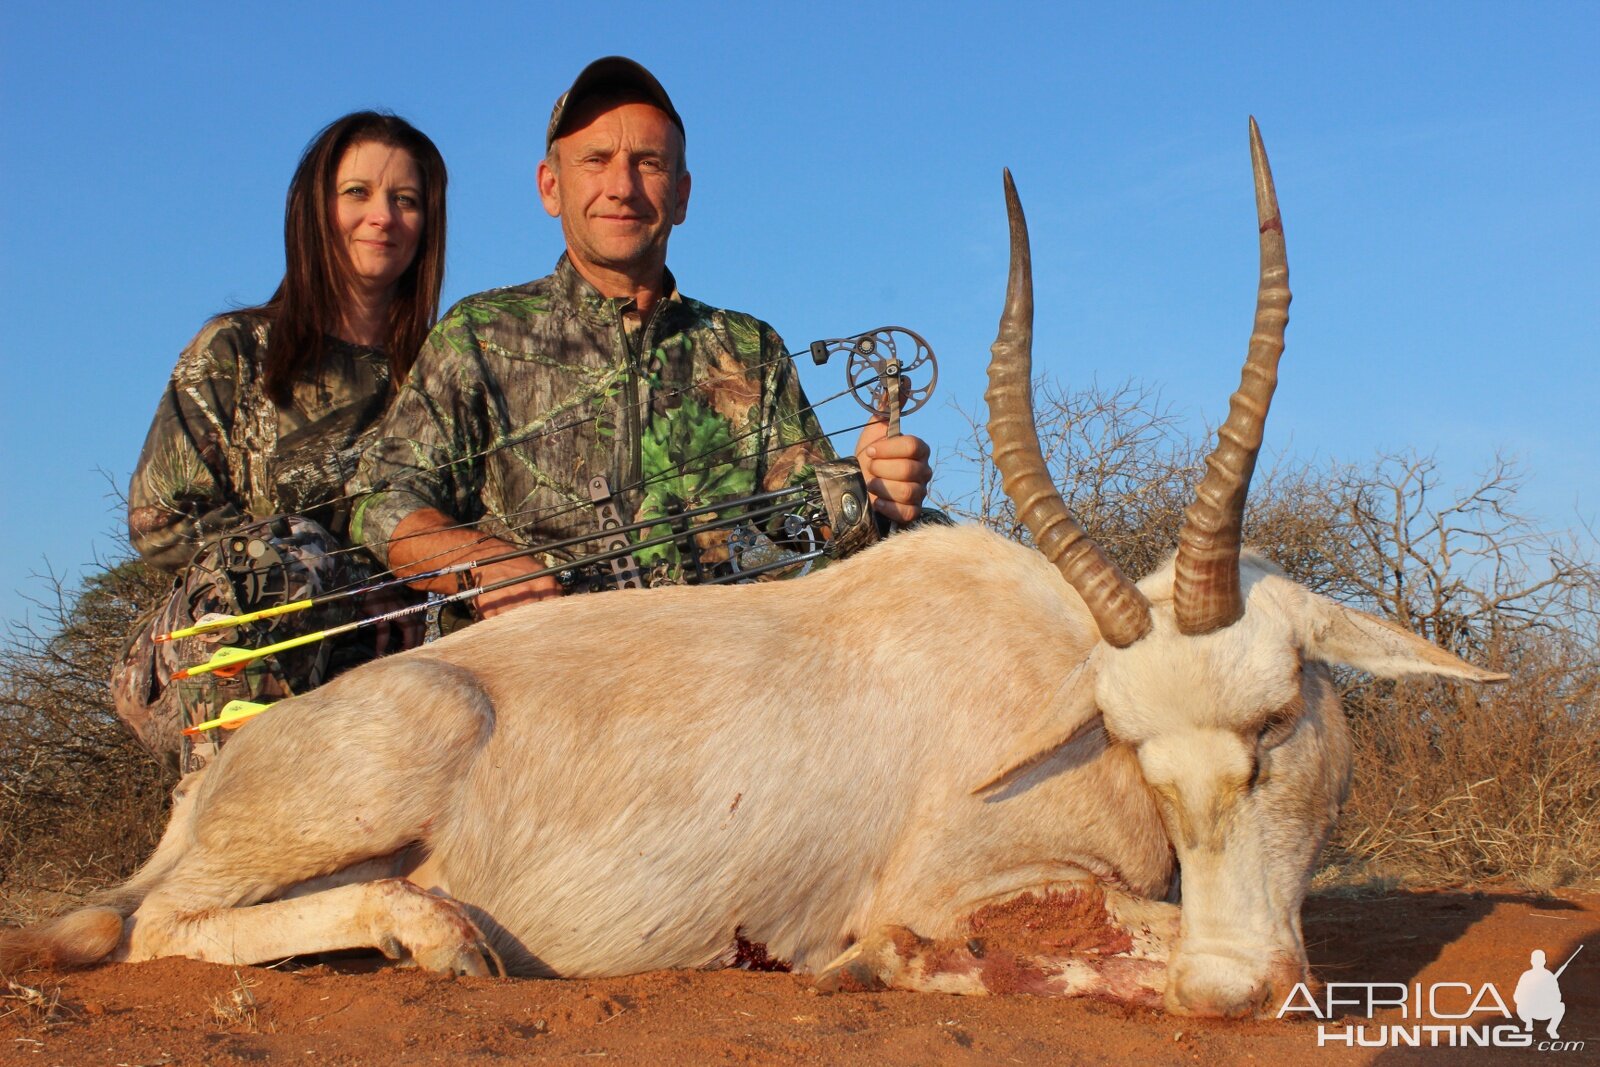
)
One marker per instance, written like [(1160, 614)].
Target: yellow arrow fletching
[(213, 625), (233, 715)]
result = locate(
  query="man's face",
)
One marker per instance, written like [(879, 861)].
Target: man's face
[(618, 190)]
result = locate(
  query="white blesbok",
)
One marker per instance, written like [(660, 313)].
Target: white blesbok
[(669, 778)]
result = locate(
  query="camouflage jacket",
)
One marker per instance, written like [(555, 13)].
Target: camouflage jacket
[(219, 450), (523, 394)]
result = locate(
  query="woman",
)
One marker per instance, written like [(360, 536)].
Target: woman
[(268, 410)]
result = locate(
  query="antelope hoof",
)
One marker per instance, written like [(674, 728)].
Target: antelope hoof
[(470, 960), (868, 966), (856, 976), (434, 933)]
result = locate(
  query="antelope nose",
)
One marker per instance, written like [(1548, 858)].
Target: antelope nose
[(1218, 987)]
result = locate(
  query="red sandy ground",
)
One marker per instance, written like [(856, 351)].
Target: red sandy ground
[(181, 1012)]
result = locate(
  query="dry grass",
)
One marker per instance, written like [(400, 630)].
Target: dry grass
[(1454, 783), (35, 1007), (238, 1009), (40, 888), (81, 803)]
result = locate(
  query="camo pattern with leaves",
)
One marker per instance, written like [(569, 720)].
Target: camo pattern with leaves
[(524, 394), (219, 450)]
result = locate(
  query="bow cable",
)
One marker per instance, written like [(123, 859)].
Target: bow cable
[(228, 661)]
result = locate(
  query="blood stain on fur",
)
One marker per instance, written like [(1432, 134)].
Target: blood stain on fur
[(1072, 922), (752, 955)]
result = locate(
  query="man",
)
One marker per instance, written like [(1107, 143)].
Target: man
[(522, 395)]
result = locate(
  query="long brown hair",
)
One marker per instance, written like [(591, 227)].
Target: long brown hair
[(305, 309)]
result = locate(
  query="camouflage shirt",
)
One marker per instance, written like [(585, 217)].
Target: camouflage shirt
[(220, 450), (521, 395)]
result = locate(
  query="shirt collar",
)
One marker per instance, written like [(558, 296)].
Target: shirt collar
[(574, 290)]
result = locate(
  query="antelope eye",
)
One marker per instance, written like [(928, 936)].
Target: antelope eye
[(1279, 725)]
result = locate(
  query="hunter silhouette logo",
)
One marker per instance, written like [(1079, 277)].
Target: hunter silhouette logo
[(1538, 994), (1440, 1014)]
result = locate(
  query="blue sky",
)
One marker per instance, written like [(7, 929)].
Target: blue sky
[(1437, 166)]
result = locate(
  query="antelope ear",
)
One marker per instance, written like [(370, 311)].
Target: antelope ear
[(1337, 634), (1072, 712)]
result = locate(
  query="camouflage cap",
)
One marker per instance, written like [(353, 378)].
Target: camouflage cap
[(609, 73)]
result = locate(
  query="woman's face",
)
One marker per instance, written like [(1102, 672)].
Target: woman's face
[(377, 213)]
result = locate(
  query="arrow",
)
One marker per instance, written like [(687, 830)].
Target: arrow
[(233, 715)]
